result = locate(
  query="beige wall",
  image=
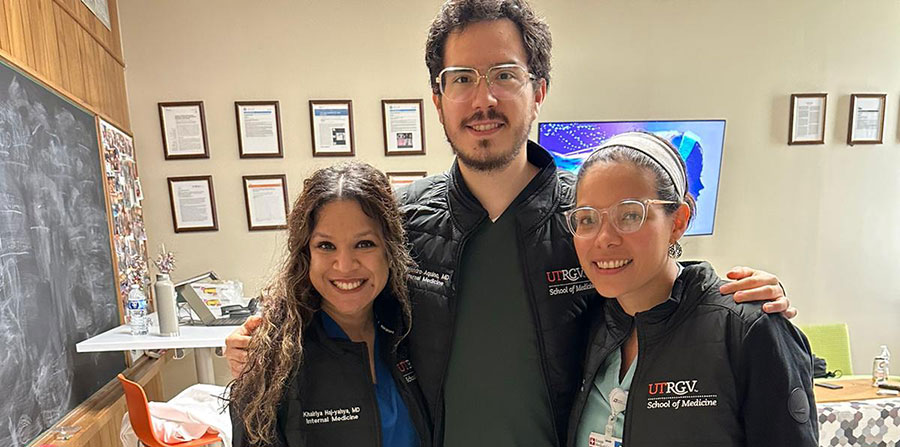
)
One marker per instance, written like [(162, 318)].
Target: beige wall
[(825, 218)]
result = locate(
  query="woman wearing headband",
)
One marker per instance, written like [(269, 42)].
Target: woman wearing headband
[(672, 361)]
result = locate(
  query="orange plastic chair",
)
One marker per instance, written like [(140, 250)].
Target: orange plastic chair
[(139, 415)]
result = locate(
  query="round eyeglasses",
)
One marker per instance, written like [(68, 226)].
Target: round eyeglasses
[(505, 81), (626, 217)]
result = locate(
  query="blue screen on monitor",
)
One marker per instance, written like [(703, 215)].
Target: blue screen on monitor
[(699, 142)]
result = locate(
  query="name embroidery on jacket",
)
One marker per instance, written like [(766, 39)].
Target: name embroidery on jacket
[(331, 415), (429, 277)]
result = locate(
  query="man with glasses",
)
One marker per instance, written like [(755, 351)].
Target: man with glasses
[(499, 300)]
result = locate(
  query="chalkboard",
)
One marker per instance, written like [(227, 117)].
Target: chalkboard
[(56, 273)]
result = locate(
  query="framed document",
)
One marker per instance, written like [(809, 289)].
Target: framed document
[(866, 118), (404, 131), (183, 127), (807, 123), (193, 203), (266, 200), (259, 129), (399, 179), (332, 127)]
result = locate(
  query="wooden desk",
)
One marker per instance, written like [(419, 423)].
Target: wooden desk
[(854, 389)]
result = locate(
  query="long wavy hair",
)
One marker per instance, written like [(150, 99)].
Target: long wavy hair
[(276, 348)]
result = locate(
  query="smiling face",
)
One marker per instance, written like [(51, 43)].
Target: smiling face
[(617, 264), (348, 263), (486, 133)]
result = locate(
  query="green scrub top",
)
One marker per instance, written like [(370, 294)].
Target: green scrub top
[(597, 408)]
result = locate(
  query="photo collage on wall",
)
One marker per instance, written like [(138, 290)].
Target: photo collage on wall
[(125, 196)]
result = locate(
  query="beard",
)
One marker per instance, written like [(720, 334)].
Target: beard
[(482, 158)]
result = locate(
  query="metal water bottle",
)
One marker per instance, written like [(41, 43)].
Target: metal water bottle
[(165, 306)]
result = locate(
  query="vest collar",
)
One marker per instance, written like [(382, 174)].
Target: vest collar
[(531, 205)]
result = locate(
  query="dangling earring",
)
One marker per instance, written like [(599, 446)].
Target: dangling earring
[(675, 250)]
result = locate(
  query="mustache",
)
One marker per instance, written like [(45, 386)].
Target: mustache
[(491, 114)]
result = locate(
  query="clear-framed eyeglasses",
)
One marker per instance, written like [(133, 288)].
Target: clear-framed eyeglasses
[(626, 217), (505, 81)]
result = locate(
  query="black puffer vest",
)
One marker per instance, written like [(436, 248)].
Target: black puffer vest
[(441, 213)]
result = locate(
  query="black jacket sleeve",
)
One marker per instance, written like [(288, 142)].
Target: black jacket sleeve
[(239, 435), (778, 405)]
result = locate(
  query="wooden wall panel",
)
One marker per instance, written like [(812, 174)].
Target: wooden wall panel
[(70, 53), (101, 415), (91, 57), (4, 28), (44, 39), (64, 45), (107, 38), (16, 22), (114, 41)]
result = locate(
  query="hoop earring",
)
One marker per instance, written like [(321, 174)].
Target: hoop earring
[(675, 250)]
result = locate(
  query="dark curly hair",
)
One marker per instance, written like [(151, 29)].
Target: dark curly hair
[(290, 299), (456, 15)]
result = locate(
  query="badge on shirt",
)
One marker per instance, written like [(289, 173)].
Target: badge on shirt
[(600, 440)]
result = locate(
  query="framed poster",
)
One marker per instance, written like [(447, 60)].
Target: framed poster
[(866, 118), (400, 179), (266, 202), (404, 131), (193, 203), (807, 122), (183, 126), (331, 124), (258, 129)]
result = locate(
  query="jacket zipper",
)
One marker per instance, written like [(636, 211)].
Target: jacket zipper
[(409, 399), (626, 430), (373, 400), (581, 400), (532, 302), (439, 404)]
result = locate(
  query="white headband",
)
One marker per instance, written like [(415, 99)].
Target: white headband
[(655, 148)]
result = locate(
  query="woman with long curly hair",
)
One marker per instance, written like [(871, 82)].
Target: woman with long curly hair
[(328, 365)]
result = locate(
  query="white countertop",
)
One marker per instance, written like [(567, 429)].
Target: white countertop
[(120, 338)]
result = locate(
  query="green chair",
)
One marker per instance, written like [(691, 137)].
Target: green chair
[(832, 343)]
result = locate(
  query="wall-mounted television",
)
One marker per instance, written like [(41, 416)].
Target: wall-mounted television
[(700, 143)]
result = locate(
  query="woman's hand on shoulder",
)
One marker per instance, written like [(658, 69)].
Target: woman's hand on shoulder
[(757, 285)]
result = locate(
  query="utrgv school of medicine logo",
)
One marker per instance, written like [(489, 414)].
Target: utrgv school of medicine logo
[(677, 388), (567, 281), (405, 368), (678, 394)]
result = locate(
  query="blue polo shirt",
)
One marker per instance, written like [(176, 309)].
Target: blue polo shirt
[(397, 429)]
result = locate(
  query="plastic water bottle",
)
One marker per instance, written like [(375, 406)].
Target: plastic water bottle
[(881, 366), (137, 311)]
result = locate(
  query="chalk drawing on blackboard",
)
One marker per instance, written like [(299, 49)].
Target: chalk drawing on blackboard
[(56, 275)]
